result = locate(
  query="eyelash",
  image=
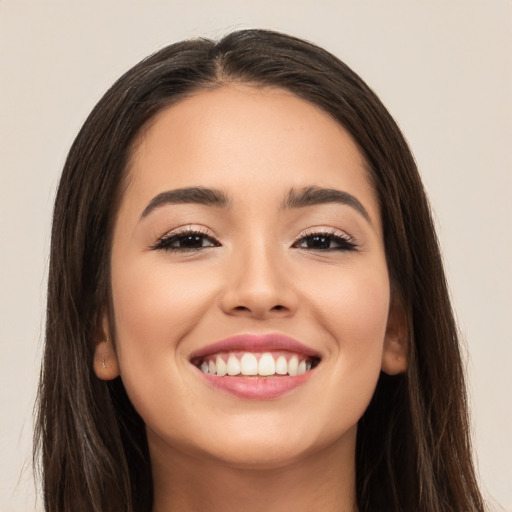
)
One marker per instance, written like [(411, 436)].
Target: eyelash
[(344, 242), (165, 242)]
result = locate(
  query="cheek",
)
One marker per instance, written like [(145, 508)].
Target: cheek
[(154, 297), (154, 308), (353, 303), (355, 314), (353, 307)]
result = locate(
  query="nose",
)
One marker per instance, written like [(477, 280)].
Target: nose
[(258, 286)]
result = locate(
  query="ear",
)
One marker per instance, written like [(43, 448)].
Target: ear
[(106, 365), (394, 354)]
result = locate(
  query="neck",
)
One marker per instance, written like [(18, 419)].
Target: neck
[(323, 481)]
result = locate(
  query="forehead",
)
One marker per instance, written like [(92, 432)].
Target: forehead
[(246, 138)]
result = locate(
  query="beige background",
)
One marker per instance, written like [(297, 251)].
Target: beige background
[(443, 68)]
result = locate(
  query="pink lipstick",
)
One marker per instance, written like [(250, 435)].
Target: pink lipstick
[(255, 343), (256, 366)]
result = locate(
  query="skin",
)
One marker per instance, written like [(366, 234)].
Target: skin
[(254, 274)]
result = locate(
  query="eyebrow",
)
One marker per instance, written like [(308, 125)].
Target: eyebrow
[(196, 195), (308, 196), (311, 196)]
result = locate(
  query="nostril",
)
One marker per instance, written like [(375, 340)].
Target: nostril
[(259, 310)]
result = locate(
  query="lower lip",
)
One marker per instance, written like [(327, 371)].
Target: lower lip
[(262, 388)]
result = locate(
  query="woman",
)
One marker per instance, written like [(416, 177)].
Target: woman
[(247, 307)]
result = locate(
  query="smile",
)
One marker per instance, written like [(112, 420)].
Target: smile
[(256, 366), (267, 364)]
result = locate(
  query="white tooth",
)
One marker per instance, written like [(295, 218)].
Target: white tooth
[(266, 365), (308, 366), (204, 367), (281, 365), (293, 365), (302, 368), (233, 366), (212, 368), (222, 368), (249, 364)]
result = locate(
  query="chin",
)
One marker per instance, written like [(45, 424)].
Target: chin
[(266, 448), (259, 456)]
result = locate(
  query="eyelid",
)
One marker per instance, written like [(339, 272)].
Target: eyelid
[(350, 242), (183, 230), (323, 230)]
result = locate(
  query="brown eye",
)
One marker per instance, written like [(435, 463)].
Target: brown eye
[(187, 241), (325, 242)]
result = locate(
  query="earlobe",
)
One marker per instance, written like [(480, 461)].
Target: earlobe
[(394, 359), (106, 365), (394, 353)]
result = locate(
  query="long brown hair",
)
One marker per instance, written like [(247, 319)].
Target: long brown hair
[(413, 447)]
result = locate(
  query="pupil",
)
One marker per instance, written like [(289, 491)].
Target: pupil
[(319, 242), (192, 241)]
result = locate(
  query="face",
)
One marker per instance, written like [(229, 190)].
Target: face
[(249, 281)]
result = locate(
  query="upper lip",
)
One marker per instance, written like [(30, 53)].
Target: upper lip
[(255, 343)]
